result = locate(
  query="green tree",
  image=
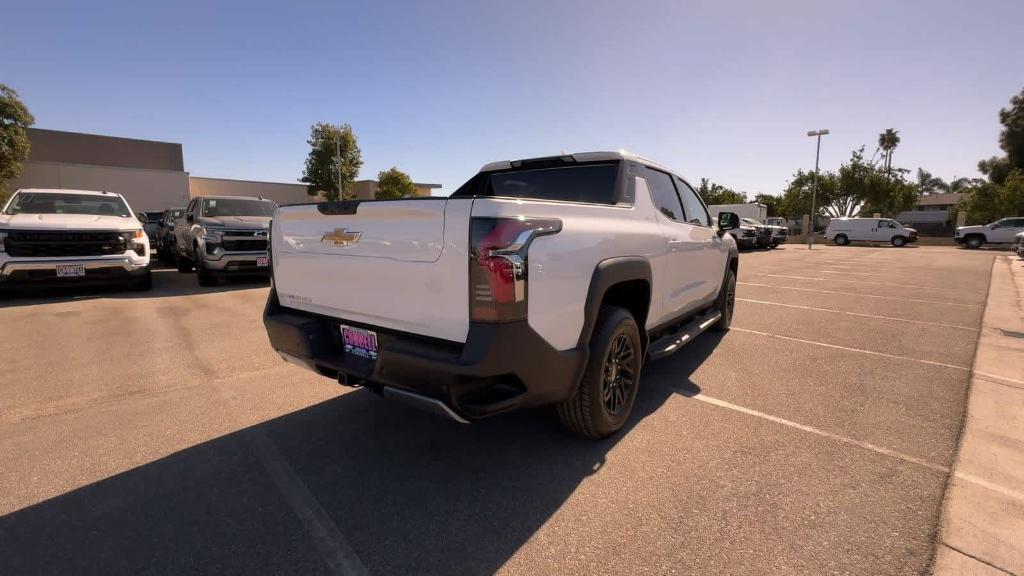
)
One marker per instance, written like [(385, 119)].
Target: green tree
[(887, 142), (1011, 141), (773, 202), (796, 200), (928, 184), (14, 144), (393, 183), (859, 186), (322, 165), (713, 193), (989, 201)]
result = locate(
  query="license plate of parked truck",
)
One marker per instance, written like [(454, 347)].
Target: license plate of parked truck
[(547, 281)]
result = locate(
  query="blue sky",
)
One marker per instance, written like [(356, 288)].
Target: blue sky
[(725, 90)]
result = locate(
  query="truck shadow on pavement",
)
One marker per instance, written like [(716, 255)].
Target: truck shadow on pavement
[(411, 494), (166, 282)]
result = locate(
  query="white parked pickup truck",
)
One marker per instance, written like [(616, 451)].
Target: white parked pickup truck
[(541, 281), (999, 232), (68, 237)]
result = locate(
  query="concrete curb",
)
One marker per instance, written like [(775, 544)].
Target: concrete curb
[(982, 528)]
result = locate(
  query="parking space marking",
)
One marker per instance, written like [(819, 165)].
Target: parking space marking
[(858, 350), (942, 302), (861, 314), (1009, 492), (329, 541), (918, 286), (875, 273), (823, 433)]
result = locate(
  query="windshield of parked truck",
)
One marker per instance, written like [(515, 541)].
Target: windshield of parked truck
[(66, 203), (590, 183), (217, 207)]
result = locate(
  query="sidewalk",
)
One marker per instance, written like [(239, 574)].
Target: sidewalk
[(982, 528)]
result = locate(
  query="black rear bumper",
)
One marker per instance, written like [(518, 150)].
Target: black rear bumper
[(501, 367)]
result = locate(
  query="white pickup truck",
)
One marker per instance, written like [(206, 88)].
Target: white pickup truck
[(1002, 231), (71, 237), (541, 281)]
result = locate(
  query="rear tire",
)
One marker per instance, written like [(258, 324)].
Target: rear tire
[(898, 241), (841, 240), (602, 403)]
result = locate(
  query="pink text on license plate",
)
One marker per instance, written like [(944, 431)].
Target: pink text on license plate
[(359, 342), (262, 261)]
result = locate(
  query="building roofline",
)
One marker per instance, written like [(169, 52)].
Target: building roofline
[(106, 136), (250, 181)]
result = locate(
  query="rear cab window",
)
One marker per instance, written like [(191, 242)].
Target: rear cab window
[(590, 183)]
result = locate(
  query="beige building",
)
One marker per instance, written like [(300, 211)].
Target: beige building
[(279, 192), (367, 189), (150, 175)]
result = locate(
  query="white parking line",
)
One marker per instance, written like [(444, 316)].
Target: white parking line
[(917, 286), (864, 295), (861, 314), (848, 349), (875, 273), (328, 539), (823, 433), (860, 444)]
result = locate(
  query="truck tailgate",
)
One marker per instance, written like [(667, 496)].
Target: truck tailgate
[(398, 264)]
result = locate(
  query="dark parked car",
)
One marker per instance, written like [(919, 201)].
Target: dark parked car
[(165, 245), (752, 234), (151, 224)]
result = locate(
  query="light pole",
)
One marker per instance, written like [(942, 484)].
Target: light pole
[(814, 191), (337, 154)]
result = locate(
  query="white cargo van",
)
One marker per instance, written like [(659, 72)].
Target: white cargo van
[(842, 231)]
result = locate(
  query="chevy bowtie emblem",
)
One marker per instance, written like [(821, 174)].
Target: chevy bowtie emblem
[(342, 237)]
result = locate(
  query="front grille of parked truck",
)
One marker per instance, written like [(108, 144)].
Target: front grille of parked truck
[(245, 240), (44, 244)]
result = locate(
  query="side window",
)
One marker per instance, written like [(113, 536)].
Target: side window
[(883, 223), (664, 194), (191, 207), (692, 206)]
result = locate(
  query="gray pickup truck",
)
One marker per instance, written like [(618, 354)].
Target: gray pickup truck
[(224, 235)]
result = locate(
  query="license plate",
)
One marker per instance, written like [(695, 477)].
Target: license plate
[(359, 342), (262, 261), (70, 270)]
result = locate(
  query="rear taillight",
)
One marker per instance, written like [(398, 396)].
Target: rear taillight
[(498, 266)]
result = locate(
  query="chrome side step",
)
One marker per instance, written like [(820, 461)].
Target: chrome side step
[(424, 403), (671, 343)]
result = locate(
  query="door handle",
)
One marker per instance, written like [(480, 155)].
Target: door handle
[(675, 242)]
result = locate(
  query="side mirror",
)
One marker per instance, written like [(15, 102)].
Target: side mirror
[(993, 227), (141, 217), (190, 218), (727, 221)]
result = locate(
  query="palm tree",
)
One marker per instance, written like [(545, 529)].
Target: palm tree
[(887, 142), (928, 184)]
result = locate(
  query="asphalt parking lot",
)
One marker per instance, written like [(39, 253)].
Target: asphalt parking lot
[(158, 433)]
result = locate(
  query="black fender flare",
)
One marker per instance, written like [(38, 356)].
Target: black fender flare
[(606, 274)]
